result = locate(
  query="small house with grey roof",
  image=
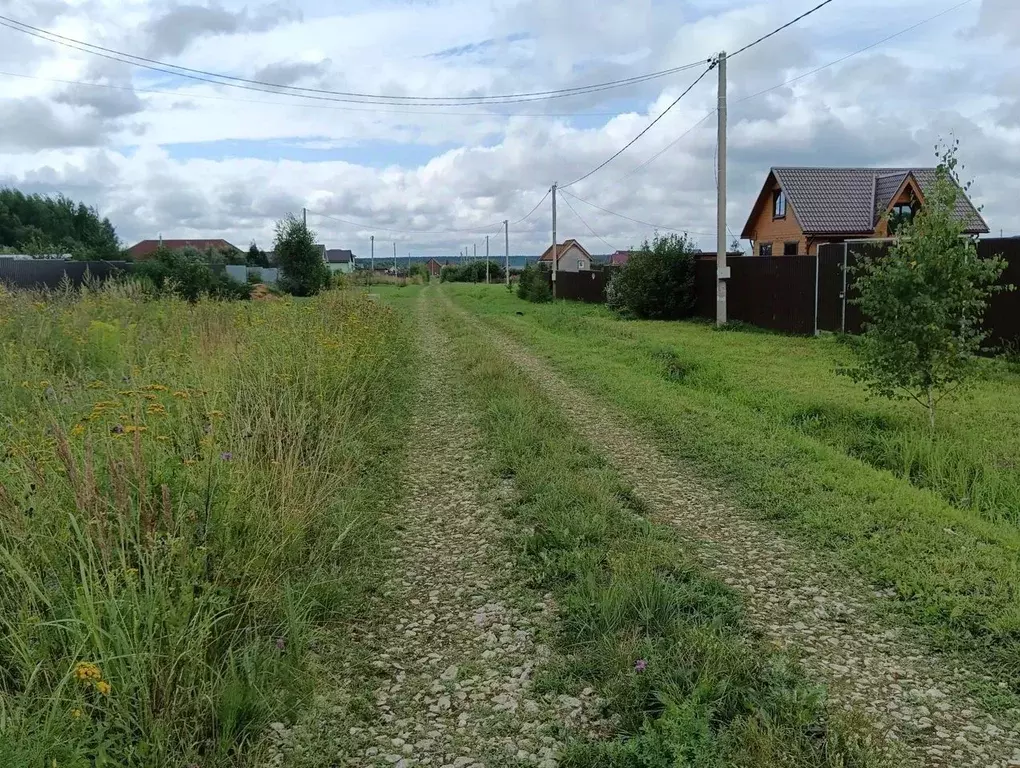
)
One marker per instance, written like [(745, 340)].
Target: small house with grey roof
[(800, 209)]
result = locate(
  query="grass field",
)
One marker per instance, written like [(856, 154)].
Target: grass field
[(190, 495), (664, 642), (933, 515)]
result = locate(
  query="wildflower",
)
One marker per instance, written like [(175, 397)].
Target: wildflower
[(181, 394), (163, 438), (76, 713), (640, 665), (189, 462), (281, 644), (86, 670), (132, 428), (77, 429), (156, 408), (226, 456), (127, 393), (44, 384), (155, 387), (215, 414), (103, 687)]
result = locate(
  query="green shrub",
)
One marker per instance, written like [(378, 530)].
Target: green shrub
[(658, 281), (534, 284), (185, 273), (419, 272), (473, 272), (302, 270)]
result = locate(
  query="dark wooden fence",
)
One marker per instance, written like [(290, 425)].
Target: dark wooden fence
[(46, 273), (802, 294)]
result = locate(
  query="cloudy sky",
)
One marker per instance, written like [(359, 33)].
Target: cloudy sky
[(163, 154)]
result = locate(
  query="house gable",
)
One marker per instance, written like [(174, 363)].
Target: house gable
[(563, 249)]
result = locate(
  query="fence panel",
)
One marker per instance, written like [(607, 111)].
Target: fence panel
[(46, 273), (776, 293), (1002, 318), (831, 259), (589, 285)]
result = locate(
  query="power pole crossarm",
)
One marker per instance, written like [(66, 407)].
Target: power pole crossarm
[(722, 271)]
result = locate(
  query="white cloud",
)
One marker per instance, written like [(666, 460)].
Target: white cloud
[(213, 161)]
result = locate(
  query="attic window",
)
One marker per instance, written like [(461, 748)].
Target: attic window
[(778, 204), (900, 215)]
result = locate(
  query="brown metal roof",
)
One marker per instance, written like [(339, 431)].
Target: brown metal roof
[(850, 201)]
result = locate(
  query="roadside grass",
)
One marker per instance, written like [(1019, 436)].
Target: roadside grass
[(687, 683), (190, 500), (932, 515)]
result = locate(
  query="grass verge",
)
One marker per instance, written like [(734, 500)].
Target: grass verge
[(767, 418), (189, 501), (686, 681)]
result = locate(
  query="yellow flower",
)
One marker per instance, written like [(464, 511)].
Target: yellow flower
[(44, 384), (76, 713), (103, 687), (155, 387), (86, 670), (189, 462), (182, 395), (77, 429), (215, 414), (130, 429), (156, 408), (163, 438), (127, 393)]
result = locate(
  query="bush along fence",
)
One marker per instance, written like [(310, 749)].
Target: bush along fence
[(808, 294)]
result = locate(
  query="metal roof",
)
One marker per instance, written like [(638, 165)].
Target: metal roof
[(852, 200)]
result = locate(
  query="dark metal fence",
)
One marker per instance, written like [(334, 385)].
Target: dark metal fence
[(45, 273), (589, 285), (805, 294)]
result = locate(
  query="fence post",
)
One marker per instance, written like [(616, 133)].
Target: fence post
[(842, 322), (817, 266)]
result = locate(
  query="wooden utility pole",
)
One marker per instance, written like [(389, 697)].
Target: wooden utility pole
[(722, 271)]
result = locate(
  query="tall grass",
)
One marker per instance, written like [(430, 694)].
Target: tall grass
[(179, 512)]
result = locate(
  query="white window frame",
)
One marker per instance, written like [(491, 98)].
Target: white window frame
[(580, 265)]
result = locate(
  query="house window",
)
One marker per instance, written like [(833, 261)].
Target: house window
[(900, 215), (765, 249), (791, 248), (778, 204), (580, 264)]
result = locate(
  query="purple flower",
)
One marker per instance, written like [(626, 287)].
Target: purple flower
[(640, 665), (281, 644), (226, 456)]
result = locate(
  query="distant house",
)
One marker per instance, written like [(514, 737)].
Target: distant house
[(619, 259), (434, 267), (571, 256), (339, 260), (799, 209), (146, 249)]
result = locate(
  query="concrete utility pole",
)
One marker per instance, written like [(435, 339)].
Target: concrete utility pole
[(474, 247), (304, 217), (394, 259), (506, 234), (554, 264), (722, 272), (371, 274), (486, 259)]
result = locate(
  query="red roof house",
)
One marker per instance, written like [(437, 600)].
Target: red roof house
[(147, 248)]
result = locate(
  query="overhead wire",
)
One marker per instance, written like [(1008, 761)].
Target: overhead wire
[(299, 105), (636, 221), (647, 128), (777, 30), (306, 92), (586, 224)]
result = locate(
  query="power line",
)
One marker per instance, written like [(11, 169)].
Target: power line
[(357, 97), (636, 221), (666, 148), (777, 30), (586, 224), (857, 52), (475, 230), (298, 105), (532, 211), (643, 132)]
